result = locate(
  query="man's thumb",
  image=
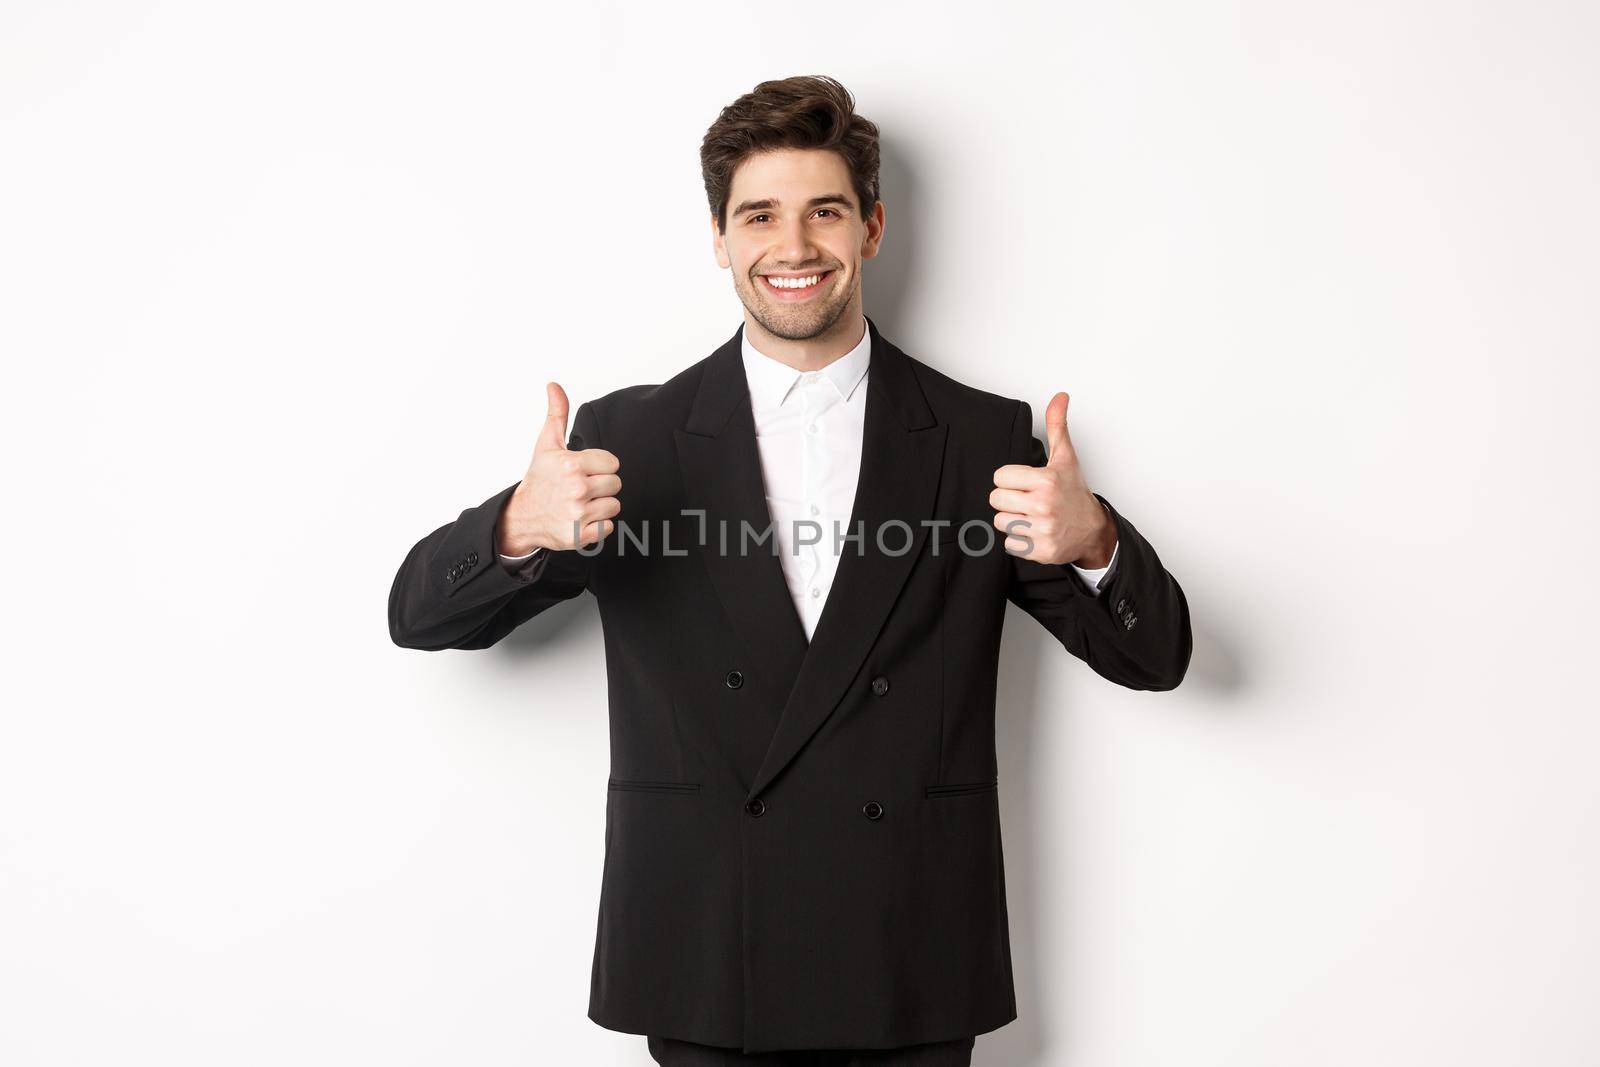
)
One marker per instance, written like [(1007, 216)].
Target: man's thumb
[(1055, 428), (553, 436)]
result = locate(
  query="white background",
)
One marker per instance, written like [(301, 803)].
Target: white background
[(281, 285)]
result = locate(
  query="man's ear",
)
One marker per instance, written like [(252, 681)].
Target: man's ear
[(874, 236), (719, 245)]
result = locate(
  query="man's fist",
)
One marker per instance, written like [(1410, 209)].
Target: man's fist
[(567, 499), (1048, 512)]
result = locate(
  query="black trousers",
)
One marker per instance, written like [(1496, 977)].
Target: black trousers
[(671, 1052)]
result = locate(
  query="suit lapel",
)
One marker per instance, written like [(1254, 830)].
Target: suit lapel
[(721, 466), (902, 451)]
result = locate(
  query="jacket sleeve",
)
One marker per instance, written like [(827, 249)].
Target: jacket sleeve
[(1136, 631), (452, 591)]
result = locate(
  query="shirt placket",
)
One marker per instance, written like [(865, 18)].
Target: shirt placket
[(813, 403)]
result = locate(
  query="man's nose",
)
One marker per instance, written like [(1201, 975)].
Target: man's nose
[(795, 245)]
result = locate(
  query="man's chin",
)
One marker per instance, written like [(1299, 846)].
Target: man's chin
[(790, 326)]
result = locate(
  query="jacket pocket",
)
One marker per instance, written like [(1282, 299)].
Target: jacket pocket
[(644, 786), (961, 789)]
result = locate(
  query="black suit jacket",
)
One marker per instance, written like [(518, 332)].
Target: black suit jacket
[(802, 842)]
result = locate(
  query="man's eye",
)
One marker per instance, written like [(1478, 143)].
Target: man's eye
[(829, 210), (755, 217)]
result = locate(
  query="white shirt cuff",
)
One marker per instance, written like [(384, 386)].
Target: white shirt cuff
[(1094, 576)]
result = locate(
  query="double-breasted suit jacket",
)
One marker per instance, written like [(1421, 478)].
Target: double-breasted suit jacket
[(802, 844)]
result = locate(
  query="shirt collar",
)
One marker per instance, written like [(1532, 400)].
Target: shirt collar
[(770, 381)]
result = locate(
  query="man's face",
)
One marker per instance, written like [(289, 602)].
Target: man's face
[(796, 239)]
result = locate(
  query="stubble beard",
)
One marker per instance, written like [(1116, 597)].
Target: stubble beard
[(792, 323)]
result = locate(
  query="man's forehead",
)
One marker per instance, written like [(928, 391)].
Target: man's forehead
[(787, 172)]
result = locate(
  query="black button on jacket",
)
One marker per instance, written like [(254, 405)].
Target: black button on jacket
[(745, 901)]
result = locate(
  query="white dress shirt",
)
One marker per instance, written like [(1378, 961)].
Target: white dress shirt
[(808, 432)]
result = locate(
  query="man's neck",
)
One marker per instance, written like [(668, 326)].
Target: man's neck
[(811, 353)]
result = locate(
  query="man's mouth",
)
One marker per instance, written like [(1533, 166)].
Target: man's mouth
[(792, 288)]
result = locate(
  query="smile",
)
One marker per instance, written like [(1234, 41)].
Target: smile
[(797, 287)]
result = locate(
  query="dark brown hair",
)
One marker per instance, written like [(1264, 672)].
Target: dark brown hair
[(806, 111)]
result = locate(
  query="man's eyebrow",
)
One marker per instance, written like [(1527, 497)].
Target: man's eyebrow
[(768, 204)]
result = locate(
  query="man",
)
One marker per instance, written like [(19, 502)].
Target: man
[(802, 607)]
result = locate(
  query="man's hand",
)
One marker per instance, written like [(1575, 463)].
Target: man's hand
[(1048, 512), (567, 499)]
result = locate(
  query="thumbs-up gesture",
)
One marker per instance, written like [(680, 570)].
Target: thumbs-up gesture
[(1049, 513), (567, 499)]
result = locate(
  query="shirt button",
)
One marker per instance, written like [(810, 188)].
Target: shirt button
[(756, 807), (815, 591), (815, 510), (872, 809), (811, 427), (734, 679)]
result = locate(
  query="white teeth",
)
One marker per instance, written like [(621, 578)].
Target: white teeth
[(793, 283)]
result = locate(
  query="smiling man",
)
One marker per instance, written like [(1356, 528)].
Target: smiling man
[(802, 589)]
